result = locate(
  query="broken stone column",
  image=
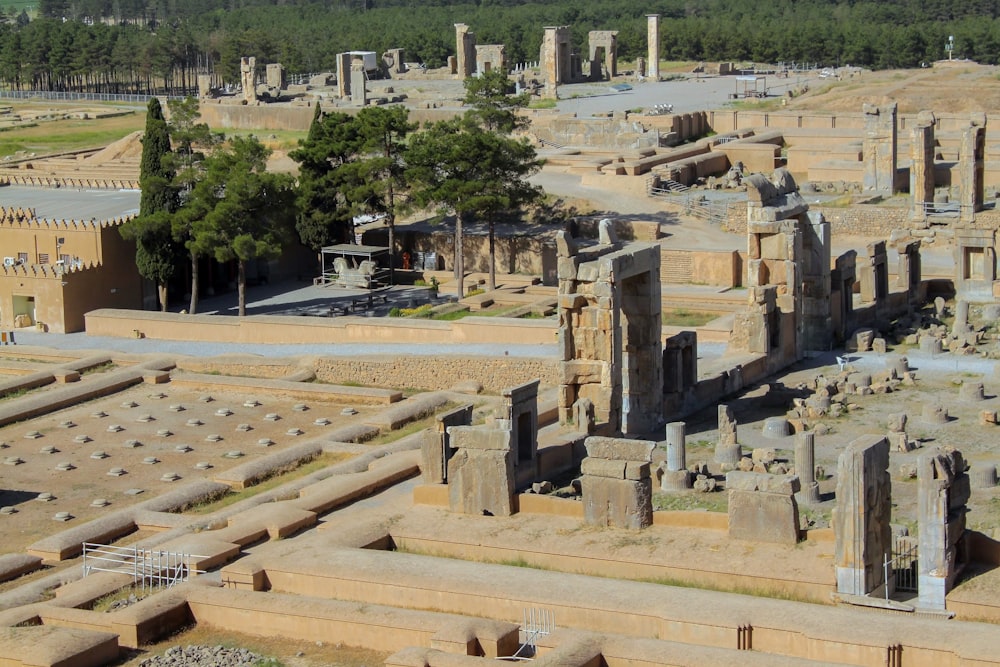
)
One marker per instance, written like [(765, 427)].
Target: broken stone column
[(933, 413), (359, 93), (727, 450), (616, 485), (762, 507), (653, 46), (583, 415), (861, 518), (898, 440), (805, 468), (922, 165), (941, 505), (204, 85), (879, 149), (481, 471), (436, 447), (983, 476), (465, 51), (972, 391), (274, 74), (676, 476)]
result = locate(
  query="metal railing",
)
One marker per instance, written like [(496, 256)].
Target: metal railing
[(686, 201), (535, 623), (149, 569), (73, 97)]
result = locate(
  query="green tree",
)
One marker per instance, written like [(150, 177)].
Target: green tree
[(468, 171), (245, 212), (375, 177), (324, 213), (156, 251), (493, 105), (190, 138)]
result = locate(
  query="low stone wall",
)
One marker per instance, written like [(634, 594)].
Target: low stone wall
[(438, 372)]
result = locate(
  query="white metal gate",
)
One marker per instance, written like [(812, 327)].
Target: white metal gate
[(149, 569)]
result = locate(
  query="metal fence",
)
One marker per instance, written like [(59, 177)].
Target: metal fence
[(74, 97), (149, 569)]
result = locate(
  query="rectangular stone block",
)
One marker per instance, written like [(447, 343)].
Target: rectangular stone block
[(581, 372), (481, 481), (762, 481), (619, 449), (603, 468), (636, 470), (479, 438), (763, 517), (617, 503)]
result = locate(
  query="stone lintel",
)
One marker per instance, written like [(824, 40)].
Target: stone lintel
[(619, 449), (762, 481), (479, 437)]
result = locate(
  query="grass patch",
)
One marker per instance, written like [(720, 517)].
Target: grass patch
[(69, 134), (409, 429), (543, 104), (322, 461), (712, 502), (16, 393), (682, 317), (103, 603)]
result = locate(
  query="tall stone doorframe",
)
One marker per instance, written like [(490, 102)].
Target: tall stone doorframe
[(944, 490), (520, 416), (616, 484), (609, 333), (788, 274), (436, 448), (908, 269), (465, 51), (556, 58), (922, 144), (873, 275), (343, 75), (842, 279), (880, 149), (603, 54), (975, 263), (653, 46), (971, 157), (861, 518)]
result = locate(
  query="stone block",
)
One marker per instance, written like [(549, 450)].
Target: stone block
[(481, 481), (675, 480), (479, 438), (617, 503), (765, 455), (596, 467), (767, 483), (637, 470), (897, 422), (763, 517), (619, 449)]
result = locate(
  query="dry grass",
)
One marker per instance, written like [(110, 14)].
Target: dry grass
[(71, 134)]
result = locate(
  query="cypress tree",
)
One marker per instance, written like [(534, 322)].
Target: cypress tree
[(155, 175)]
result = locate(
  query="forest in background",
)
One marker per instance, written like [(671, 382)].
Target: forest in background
[(159, 46)]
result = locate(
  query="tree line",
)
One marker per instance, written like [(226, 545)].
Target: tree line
[(207, 197), (158, 46)]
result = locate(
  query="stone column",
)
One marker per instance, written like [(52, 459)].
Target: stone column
[(971, 154), (805, 468), (343, 75), (942, 495), (879, 149), (922, 164), (676, 477), (653, 45)]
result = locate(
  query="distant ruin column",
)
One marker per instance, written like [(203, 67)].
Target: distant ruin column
[(359, 94), (248, 79), (274, 75), (465, 51), (970, 167), (942, 495), (861, 518), (880, 149), (922, 165), (343, 75), (653, 46), (805, 467)]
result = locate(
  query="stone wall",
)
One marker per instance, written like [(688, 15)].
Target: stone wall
[(436, 373)]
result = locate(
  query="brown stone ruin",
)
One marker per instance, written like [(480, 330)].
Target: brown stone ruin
[(481, 471), (344, 75), (519, 416), (436, 449), (616, 484), (763, 507), (609, 333), (653, 46), (603, 54), (556, 58), (490, 57), (788, 274), (465, 52), (880, 149), (971, 155), (922, 150)]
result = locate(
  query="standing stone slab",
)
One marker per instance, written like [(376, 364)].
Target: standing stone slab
[(481, 471), (436, 450), (861, 519), (762, 507), (727, 450)]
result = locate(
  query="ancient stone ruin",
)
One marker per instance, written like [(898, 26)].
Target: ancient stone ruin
[(609, 333), (481, 471), (762, 507), (943, 494)]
